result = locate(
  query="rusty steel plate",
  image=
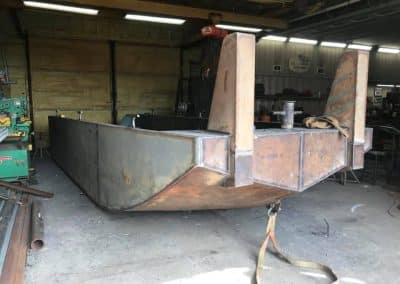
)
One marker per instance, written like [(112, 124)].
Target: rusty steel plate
[(277, 158), (201, 189), (324, 153)]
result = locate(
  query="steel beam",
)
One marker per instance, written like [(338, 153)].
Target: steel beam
[(180, 11)]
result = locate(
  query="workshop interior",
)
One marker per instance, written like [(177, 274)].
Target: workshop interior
[(173, 141)]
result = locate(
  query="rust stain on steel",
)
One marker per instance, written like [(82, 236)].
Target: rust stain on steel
[(201, 189), (343, 88), (347, 98), (324, 154), (127, 179), (14, 265), (276, 160)]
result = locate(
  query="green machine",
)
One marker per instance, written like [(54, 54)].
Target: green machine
[(14, 139)]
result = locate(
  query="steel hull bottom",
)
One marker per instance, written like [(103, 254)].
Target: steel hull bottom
[(190, 193), (201, 189)]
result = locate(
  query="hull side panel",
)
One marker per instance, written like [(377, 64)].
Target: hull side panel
[(118, 167)]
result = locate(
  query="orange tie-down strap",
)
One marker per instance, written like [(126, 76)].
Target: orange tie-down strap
[(270, 235)]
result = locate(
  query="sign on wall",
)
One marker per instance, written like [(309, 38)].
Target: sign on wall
[(299, 63)]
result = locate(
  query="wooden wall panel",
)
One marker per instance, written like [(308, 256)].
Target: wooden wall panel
[(68, 90), (15, 59), (108, 25), (147, 79), (72, 56), (70, 76), (41, 117)]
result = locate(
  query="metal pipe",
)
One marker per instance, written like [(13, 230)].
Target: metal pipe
[(287, 114), (29, 83), (37, 230), (25, 189)]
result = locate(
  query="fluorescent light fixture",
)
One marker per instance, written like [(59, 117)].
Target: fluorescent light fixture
[(154, 19), (303, 40), (385, 86), (275, 38), (238, 28), (333, 44), (359, 46), (389, 50), (63, 8)]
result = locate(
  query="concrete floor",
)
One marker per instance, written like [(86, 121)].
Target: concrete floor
[(87, 245)]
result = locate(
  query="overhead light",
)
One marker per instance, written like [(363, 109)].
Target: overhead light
[(275, 38), (389, 50), (154, 19), (385, 86), (303, 40), (359, 46), (333, 44), (239, 28), (63, 8)]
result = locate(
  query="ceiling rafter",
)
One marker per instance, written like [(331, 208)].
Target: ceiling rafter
[(180, 11)]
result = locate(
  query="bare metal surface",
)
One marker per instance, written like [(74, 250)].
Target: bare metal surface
[(200, 189), (323, 154), (232, 108), (125, 169), (120, 168), (216, 154), (14, 266), (348, 95), (137, 167), (357, 157), (37, 226), (368, 139), (296, 159), (287, 114), (277, 159), (347, 102), (139, 164), (134, 169)]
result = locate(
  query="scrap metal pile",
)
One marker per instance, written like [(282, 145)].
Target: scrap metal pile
[(21, 227), (21, 221)]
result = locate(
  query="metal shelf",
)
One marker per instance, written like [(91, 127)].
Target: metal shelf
[(294, 98)]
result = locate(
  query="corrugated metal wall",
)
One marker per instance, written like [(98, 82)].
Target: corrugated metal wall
[(270, 53), (383, 68)]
